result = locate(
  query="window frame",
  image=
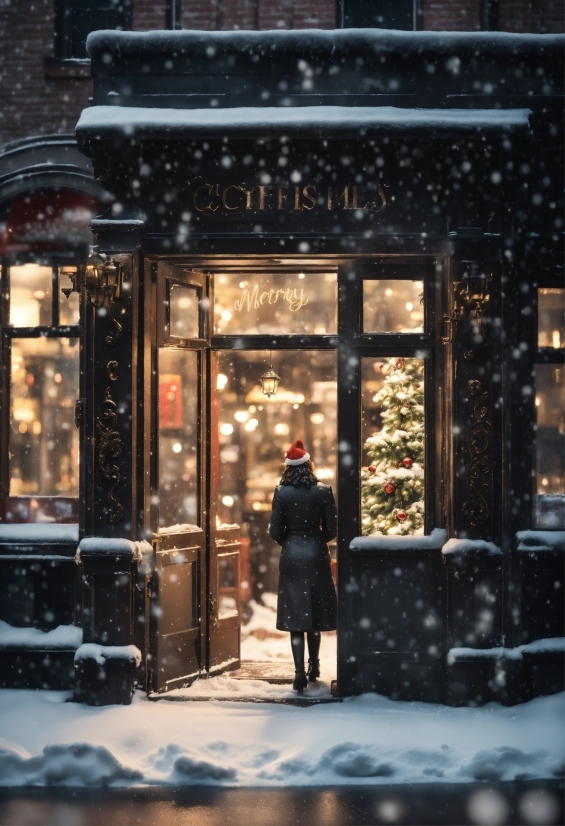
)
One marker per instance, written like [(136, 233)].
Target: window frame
[(8, 334), (62, 35)]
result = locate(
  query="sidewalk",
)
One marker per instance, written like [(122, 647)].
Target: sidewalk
[(533, 802)]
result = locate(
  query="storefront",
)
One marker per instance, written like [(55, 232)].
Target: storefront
[(376, 218)]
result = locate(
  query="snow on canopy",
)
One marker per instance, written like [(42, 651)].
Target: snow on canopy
[(341, 121)]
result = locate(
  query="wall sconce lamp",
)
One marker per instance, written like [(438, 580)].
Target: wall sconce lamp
[(270, 381), (474, 291), (100, 277)]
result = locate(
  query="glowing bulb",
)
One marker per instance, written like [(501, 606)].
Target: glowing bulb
[(177, 447), (282, 429), (226, 429), (251, 425), (226, 315), (221, 381), (555, 339), (388, 292), (317, 418), (227, 501), (256, 506), (545, 482), (538, 401), (241, 415), (409, 305)]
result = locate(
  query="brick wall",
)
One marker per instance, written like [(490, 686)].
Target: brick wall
[(35, 99)]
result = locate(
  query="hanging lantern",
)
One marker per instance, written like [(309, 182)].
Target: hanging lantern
[(270, 381)]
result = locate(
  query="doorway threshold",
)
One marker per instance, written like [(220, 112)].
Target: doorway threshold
[(254, 682)]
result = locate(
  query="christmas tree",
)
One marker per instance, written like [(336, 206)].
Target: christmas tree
[(392, 487)]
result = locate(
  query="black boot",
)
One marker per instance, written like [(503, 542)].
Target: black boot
[(313, 670), (300, 680)]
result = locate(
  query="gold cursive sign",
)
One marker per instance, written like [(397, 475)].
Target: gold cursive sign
[(211, 198), (253, 299)]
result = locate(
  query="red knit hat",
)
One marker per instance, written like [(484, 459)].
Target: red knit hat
[(296, 454)]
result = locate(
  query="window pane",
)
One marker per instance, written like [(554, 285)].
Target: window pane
[(228, 585), (68, 307), (392, 476), (393, 306), (30, 295), (43, 437), (551, 317), (550, 445), (276, 303), (184, 311), (178, 434)]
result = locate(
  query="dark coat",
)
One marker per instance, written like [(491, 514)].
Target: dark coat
[(303, 521)]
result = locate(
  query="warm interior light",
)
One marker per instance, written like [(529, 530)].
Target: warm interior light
[(282, 429), (251, 425), (221, 381), (227, 501), (555, 339), (317, 418), (177, 447), (269, 382), (241, 415), (226, 429)]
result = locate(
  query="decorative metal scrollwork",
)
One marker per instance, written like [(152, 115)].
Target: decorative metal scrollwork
[(479, 442), (115, 309), (110, 446), (112, 370)]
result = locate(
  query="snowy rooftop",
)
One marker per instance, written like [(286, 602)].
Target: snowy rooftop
[(357, 67)]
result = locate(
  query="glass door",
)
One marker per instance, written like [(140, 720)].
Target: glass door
[(178, 502)]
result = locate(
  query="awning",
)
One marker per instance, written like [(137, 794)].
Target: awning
[(304, 122)]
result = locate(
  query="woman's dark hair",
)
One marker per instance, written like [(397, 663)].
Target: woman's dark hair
[(298, 475)]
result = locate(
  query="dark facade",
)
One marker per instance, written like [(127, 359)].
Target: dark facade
[(365, 157), (434, 191)]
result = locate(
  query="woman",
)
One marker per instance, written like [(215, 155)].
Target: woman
[(303, 520)]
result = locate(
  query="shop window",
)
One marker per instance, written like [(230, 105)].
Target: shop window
[(392, 475), (75, 19), (551, 317), (178, 439), (393, 306), (42, 350), (549, 382), (184, 315), (275, 303)]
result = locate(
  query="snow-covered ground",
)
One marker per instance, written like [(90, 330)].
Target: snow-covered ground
[(45, 740)]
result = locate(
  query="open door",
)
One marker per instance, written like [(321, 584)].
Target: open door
[(179, 588), (224, 621)]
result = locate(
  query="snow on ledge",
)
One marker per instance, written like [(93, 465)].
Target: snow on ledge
[(103, 545), (310, 43), (470, 547), (434, 541), (530, 541), (106, 121), (64, 637), (102, 653), (548, 645), (39, 532)]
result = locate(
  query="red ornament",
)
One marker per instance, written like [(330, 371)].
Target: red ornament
[(371, 468), (417, 384), (407, 462), (401, 516), (400, 364), (389, 488)]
